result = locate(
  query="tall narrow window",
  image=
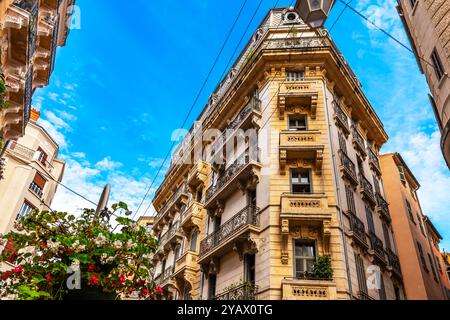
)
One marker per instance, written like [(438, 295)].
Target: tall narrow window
[(304, 257), (37, 185), (301, 181), (422, 257), (382, 290), (360, 166), (249, 268), (370, 223), (421, 225), (386, 236), (294, 75), (437, 64), (251, 197), (43, 156), (376, 184), (212, 279), (199, 197), (401, 171), (430, 260), (361, 273), (176, 254), (193, 244), (25, 209), (297, 122), (410, 213), (217, 223), (342, 143), (350, 199)]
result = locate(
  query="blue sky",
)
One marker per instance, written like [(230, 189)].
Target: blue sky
[(127, 78)]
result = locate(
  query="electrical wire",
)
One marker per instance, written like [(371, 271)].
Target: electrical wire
[(193, 105)]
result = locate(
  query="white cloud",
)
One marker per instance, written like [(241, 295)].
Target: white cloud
[(55, 120), (53, 131), (107, 164), (53, 96)]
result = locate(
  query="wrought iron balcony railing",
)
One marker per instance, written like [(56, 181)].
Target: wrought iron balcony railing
[(374, 162), (394, 262), (36, 189), (167, 273), (340, 118), (247, 216), (182, 190), (364, 296), (358, 142), (358, 229), (348, 168), (241, 292), (383, 208), (28, 154), (230, 173), (377, 246), (367, 190)]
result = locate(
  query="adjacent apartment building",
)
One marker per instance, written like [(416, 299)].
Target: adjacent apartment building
[(427, 24), (30, 32), (276, 192), (418, 249), (32, 173)]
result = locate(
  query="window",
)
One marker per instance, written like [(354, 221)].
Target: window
[(386, 236), (217, 223), (408, 207), (421, 225), (193, 244), (25, 209), (422, 258), (437, 64), (301, 181), (369, 217), (361, 273), (199, 196), (212, 279), (438, 263), (376, 184), (397, 293), (350, 199), (249, 268), (342, 143), (297, 122), (382, 290), (430, 260), (294, 75), (402, 174), (304, 257), (176, 254), (251, 197), (43, 156), (38, 184)]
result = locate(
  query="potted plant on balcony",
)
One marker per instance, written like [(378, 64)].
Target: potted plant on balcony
[(322, 268), (59, 256)]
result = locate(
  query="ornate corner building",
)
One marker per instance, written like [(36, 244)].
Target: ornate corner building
[(279, 176), (30, 32)]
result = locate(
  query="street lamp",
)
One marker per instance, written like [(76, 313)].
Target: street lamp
[(314, 12)]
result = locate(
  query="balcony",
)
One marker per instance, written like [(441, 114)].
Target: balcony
[(376, 248), (304, 289), (298, 93), (364, 296), (348, 168), (198, 174), (29, 155), (374, 162), (245, 291), (193, 216), (35, 189), (179, 197), (358, 231), (188, 261), (383, 208), (301, 145), (341, 119), (358, 142), (247, 118), (305, 207), (394, 263), (165, 279), (230, 234), (172, 236), (244, 171), (366, 190)]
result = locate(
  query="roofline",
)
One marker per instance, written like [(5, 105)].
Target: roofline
[(428, 221), (399, 157), (46, 133)]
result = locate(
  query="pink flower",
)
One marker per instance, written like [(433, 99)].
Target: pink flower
[(18, 269), (43, 245), (49, 277), (140, 282), (94, 279), (91, 268), (158, 289), (122, 278), (145, 291)]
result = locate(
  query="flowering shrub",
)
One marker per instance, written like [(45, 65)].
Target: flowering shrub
[(51, 248)]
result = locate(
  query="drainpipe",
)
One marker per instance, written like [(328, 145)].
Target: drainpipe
[(338, 196)]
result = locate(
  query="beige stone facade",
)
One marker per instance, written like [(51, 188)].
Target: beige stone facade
[(30, 31), (295, 177), (32, 173), (427, 23)]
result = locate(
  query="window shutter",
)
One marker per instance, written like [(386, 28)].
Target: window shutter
[(39, 180)]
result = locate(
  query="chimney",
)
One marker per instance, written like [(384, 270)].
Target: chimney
[(34, 115)]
